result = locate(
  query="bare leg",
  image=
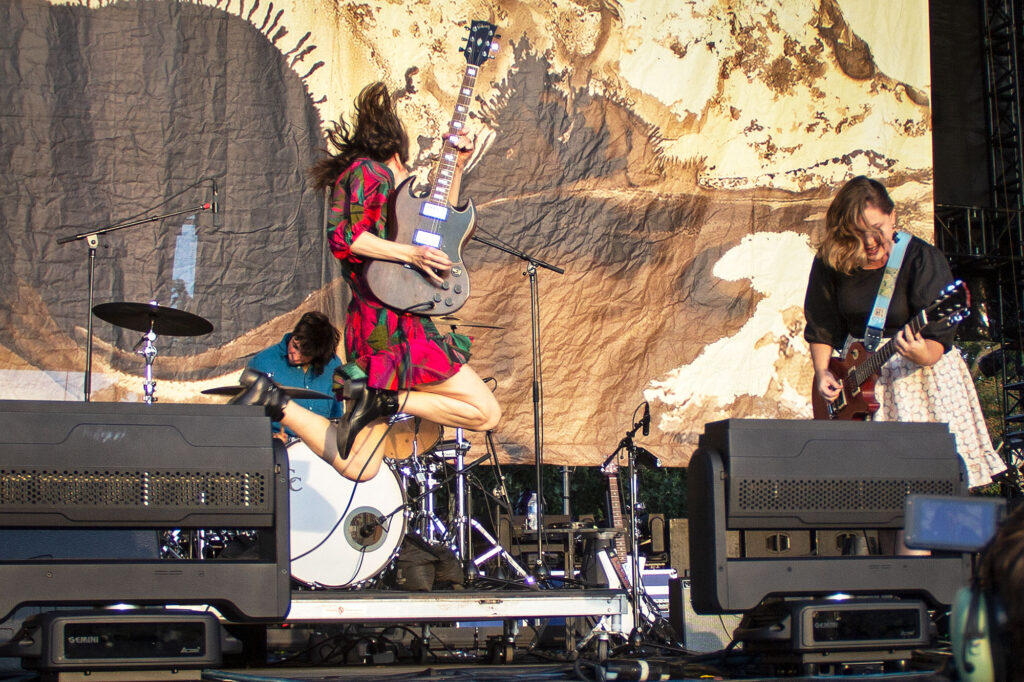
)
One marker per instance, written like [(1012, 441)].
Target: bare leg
[(462, 400)]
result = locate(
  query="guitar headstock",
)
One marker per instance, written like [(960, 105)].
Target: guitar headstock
[(480, 42), (952, 306)]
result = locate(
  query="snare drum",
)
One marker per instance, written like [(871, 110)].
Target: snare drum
[(403, 435), (342, 532)]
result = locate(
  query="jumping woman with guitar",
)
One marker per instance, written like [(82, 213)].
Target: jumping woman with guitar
[(922, 378), (397, 360)]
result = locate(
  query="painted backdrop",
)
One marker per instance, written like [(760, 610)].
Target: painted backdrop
[(675, 159)]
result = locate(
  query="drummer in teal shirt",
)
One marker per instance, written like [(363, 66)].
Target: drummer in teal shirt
[(305, 358)]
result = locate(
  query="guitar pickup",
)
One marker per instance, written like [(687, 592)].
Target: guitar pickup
[(427, 238), (431, 210)]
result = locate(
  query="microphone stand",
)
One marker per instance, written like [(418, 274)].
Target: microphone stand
[(91, 238), (635, 455), (531, 271)]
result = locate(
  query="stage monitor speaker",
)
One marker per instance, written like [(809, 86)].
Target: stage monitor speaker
[(804, 475), (140, 469)]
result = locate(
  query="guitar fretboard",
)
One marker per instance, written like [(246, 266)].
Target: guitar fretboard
[(874, 364), (440, 191), (615, 504)]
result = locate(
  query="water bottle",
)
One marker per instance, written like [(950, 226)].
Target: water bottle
[(531, 512)]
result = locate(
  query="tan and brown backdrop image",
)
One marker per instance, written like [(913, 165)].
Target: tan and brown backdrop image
[(675, 159)]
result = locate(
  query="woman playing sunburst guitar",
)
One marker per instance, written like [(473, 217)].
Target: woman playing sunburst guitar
[(925, 378), (396, 360)]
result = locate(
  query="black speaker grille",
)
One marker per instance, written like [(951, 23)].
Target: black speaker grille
[(132, 489), (830, 495)]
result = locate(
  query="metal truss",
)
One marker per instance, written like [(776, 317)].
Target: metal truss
[(987, 244), (989, 241)]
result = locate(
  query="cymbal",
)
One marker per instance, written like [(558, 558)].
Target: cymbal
[(290, 391), (453, 321), (142, 317)]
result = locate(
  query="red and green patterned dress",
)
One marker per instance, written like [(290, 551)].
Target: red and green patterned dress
[(392, 351)]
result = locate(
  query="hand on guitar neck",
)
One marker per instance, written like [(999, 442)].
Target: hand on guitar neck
[(908, 342), (434, 263)]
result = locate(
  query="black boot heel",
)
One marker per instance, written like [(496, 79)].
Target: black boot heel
[(371, 404), (260, 389)]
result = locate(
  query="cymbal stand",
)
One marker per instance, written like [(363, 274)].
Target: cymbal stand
[(540, 570), (464, 523), (91, 239), (147, 349)]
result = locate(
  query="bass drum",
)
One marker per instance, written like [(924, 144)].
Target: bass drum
[(342, 532)]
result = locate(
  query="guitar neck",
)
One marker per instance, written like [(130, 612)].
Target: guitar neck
[(440, 191), (615, 507), (874, 364)]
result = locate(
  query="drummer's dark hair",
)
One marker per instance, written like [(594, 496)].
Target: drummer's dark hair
[(317, 338)]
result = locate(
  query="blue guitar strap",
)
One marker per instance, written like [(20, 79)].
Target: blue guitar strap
[(873, 333)]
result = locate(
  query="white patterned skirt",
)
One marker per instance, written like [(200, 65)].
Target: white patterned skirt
[(944, 392)]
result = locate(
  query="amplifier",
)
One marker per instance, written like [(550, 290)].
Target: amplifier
[(826, 625), (97, 469), (112, 640)]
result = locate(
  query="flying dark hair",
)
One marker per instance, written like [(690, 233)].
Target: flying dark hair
[(318, 339), (378, 134)]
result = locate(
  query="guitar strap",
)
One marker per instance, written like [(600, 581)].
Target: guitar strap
[(873, 332)]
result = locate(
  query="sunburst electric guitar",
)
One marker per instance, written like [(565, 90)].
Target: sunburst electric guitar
[(858, 368), (430, 219)]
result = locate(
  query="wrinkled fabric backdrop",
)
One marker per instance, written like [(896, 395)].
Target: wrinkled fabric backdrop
[(675, 159)]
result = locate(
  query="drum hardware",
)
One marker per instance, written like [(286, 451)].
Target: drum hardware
[(200, 543), (147, 349), (151, 319), (425, 521), (464, 523)]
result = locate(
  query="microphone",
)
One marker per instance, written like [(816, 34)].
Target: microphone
[(214, 204), (366, 530), (646, 421)]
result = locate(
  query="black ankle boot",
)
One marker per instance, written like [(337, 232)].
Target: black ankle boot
[(260, 389), (368, 405)]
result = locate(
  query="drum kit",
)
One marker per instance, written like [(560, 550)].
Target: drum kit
[(343, 533)]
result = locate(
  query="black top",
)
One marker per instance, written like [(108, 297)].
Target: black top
[(837, 305)]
